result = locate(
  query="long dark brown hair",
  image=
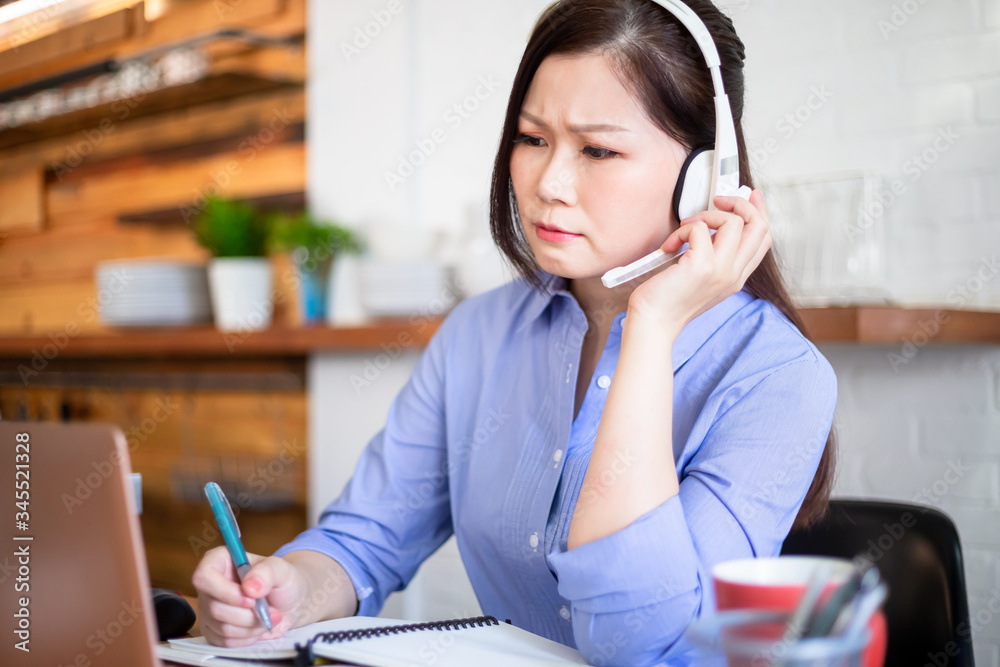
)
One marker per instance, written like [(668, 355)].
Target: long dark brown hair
[(658, 60)]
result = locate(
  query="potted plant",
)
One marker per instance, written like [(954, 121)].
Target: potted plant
[(314, 246), (239, 275)]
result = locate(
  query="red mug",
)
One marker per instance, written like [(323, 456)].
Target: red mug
[(778, 584)]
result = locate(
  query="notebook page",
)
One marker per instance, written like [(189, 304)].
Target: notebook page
[(165, 652), (490, 646), (284, 646)]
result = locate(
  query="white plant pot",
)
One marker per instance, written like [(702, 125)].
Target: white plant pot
[(241, 293)]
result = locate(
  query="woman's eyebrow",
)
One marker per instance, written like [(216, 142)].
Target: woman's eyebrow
[(577, 129)]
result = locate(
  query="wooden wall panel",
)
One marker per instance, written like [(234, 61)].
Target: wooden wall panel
[(73, 41), (246, 172), (153, 163), (176, 538), (182, 21), (47, 307), (72, 255), (47, 285), (173, 433), (22, 201), (244, 116)]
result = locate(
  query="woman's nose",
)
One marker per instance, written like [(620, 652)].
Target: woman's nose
[(558, 182)]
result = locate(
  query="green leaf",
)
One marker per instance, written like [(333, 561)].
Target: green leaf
[(232, 229), (320, 238)]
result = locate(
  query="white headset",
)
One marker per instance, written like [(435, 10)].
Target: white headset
[(707, 172)]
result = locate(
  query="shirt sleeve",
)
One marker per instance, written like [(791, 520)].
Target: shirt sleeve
[(635, 592), (395, 510)]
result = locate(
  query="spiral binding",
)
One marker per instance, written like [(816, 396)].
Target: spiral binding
[(306, 656), (453, 624)]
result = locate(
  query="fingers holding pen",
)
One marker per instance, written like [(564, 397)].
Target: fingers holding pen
[(216, 577)]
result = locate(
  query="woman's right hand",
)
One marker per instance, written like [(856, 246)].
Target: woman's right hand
[(226, 607)]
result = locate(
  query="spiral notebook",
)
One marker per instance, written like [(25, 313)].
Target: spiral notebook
[(482, 641)]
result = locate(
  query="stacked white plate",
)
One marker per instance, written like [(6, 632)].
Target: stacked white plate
[(144, 293), (390, 288)]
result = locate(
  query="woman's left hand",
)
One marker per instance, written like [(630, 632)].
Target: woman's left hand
[(713, 268)]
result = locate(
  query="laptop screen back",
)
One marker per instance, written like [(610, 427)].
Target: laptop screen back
[(72, 565)]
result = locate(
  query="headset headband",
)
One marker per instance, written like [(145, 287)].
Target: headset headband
[(726, 161)]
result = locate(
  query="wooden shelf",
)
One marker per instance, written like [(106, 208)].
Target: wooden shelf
[(893, 324), (209, 342), (859, 324)]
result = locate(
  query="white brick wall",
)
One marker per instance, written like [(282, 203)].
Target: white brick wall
[(897, 79), (991, 14), (893, 91), (902, 428)]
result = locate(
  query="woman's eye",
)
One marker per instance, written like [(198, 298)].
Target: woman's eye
[(599, 153), (530, 140)]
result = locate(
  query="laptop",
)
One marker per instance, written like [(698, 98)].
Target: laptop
[(73, 575)]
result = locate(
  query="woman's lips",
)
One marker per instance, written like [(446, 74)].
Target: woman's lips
[(554, 235)]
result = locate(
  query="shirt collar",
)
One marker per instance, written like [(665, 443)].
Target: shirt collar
[(695, 334), (536, 300)]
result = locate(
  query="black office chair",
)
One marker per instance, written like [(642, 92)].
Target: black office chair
[(917, 552)]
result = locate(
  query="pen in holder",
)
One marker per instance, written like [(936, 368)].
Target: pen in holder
[(821, 596)]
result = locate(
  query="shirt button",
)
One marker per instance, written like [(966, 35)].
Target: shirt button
[(564, 612), (604, 382), (533, 541), (557, 456)]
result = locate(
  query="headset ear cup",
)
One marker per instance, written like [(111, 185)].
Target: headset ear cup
[(691, 194)]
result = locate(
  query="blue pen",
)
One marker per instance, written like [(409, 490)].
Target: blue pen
[(231, 533)]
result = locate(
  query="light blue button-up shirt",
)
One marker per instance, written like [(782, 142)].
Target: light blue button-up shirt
[(481, 443)]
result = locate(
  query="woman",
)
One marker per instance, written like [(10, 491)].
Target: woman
[(590, 512)]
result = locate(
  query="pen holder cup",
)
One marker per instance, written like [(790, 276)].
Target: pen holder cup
[(753, 638), (778, 584)]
